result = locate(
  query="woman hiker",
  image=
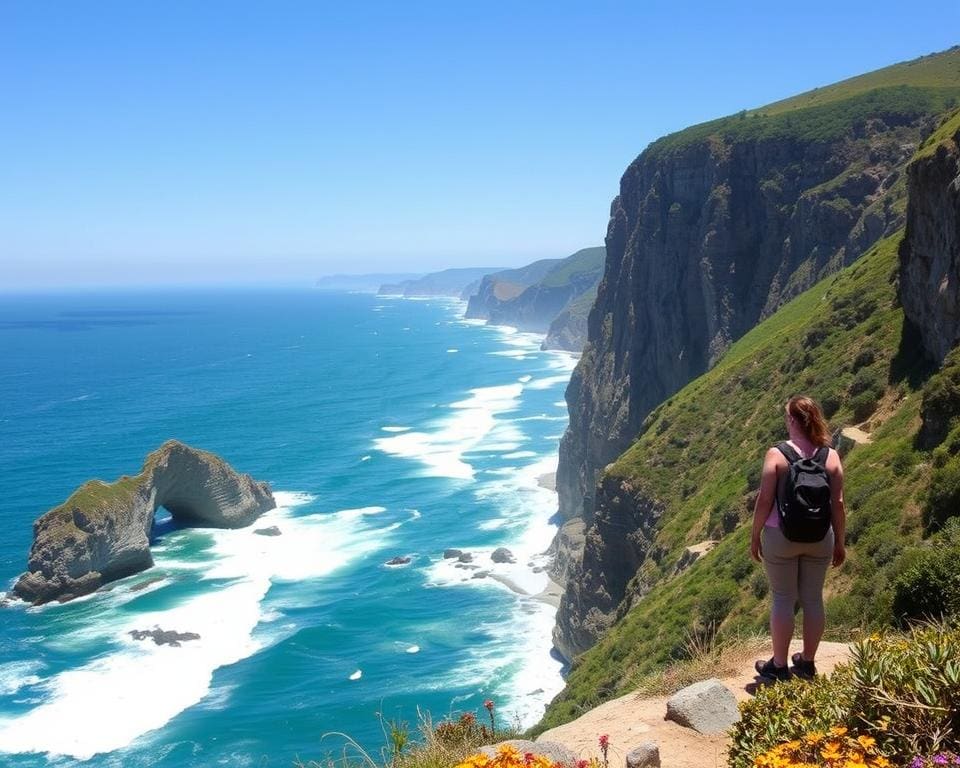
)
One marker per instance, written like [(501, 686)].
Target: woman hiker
[(798, 531)]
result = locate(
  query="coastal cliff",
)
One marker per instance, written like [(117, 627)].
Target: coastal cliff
[(930, 253), (102, 532), (552, 296), (715, 228)]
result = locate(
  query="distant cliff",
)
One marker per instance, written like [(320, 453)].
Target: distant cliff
[(551, 296), (714, 229), (448, 282), (102, 532)]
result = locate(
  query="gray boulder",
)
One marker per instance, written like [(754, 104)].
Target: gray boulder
[(449, 553), (647, 755), (708, 707), (549, 749), (502, 555), (271, 531), (465, 557)]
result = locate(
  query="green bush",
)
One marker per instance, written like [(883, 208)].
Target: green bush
[(929, 588), (787, 711), (943, 497), (903, 690), (867, 380), (715, 603), (863, 405)]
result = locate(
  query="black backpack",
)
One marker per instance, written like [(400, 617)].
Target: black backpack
[(803, 495)]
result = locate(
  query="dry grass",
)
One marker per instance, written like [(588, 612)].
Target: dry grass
[(706, 657)]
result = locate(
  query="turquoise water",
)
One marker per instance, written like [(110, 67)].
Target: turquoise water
[(385, 427)]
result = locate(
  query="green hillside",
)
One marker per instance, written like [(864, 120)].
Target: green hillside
[(897, 94), (700, 455), (587, 262)]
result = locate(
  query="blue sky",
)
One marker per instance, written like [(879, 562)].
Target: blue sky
[(155, 142)]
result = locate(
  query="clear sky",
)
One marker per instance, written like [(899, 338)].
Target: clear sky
[(206, 141)]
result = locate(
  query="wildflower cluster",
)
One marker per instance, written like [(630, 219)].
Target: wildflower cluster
[(508, 757), (461, 731), (939, 760), (835, 749)]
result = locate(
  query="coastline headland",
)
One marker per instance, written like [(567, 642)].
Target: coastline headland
[(102, 532)]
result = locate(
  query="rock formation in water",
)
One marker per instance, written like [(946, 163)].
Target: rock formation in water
[(102, 532), (930, 252)]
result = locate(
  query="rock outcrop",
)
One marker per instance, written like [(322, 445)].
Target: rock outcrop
[(102, 532), (501, 288), (709, 707), (930, 251)]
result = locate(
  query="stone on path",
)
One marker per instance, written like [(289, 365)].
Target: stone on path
[(708, 707), (555, 752), (647, 755)]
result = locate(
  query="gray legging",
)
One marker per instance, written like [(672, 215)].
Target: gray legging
[(796, 571)]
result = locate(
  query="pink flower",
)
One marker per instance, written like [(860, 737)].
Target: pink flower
[(582, 764), (488, 705), (604, 741)]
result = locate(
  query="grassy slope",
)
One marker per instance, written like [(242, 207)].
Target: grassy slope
[(928, 85), (583, 261), (701, 452)]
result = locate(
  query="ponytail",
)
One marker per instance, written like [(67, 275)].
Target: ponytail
[(808, 415)]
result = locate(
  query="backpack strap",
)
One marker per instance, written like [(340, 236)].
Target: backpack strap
[(821, 456), (788, 452)]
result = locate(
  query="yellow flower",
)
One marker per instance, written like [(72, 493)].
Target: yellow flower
[(838, 730), (831, 751), (855, 761), (880, 762), (866, 741), (814, 737)]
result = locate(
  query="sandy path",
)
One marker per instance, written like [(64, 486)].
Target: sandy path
[(631, 720)]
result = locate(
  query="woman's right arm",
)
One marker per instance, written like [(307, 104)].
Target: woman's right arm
[(838, 513)]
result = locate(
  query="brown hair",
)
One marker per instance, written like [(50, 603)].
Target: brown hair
[(806, 412)]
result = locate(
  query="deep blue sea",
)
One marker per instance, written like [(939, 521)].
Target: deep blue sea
[(385, 427)]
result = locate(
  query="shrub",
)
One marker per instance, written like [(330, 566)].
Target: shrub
[(943, 496), (715, 603), (900, 692), (928, 586), (788, 711), (863, 405), (867, 380), (837, 748), (907, 689), (940, 407)]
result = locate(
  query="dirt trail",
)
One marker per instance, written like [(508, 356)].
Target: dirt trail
[(631, 720), (857, 435)]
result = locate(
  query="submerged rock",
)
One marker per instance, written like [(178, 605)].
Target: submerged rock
[(271, 531), (164, 636), (450, 553), (102, 532), (465, 557), (399, 560), (502, 555)]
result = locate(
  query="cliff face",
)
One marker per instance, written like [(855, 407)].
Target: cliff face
[(930, 252), (102, 532), (705, 240), (544, 297), (501, 288)]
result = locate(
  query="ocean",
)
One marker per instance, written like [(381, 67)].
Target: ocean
[(386, 427)]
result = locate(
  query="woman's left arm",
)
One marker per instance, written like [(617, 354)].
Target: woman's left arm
[(761, 510)]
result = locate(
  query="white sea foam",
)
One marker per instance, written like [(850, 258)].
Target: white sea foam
[(525, 378), (137, 687), (357, 675), (366, 458), (394, 429), (15, 675), (452, 350), (413, 649), (441, 451), (549, 381)]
